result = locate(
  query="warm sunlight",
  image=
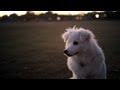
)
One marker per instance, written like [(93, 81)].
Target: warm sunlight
[(11, 12), (65, 12), (39, 12)]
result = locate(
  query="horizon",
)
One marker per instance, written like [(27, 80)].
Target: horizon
[(19, 13)]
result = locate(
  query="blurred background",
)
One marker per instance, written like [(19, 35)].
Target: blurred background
[(31, 46)]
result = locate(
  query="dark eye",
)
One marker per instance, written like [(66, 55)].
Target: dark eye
[(75, 43)]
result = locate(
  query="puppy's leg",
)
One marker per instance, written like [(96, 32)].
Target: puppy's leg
[(71, 78)]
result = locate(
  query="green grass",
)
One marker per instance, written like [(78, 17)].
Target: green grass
[(35, 50)]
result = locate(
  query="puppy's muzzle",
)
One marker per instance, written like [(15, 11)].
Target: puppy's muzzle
[(65, 52)]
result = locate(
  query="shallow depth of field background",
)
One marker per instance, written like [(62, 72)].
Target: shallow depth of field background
[(35, 50)]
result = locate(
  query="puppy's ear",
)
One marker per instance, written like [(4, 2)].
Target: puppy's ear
[(85, 35), (65, 36)]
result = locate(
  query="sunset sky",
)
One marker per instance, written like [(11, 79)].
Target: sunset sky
[(39, 12)]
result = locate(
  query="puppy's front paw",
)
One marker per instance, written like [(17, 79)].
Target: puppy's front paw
[(71, 78)]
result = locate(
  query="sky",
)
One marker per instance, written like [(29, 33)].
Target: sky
[(39, 12)]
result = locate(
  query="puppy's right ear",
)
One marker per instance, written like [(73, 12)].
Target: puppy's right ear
[(65, 36)]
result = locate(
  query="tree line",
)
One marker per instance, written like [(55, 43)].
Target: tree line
[(49, 16)]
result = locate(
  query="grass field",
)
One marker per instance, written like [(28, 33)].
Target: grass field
[(35, 50)]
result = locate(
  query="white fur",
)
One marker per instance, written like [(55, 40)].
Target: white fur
[(89, 62)]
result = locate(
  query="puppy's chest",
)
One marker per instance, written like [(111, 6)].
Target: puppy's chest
[(76, 63)]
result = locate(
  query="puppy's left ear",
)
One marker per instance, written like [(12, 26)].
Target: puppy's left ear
[(85, 35), (65, 36)]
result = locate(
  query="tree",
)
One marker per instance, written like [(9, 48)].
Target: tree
[(13, 18), (4, 18), (30, 16)]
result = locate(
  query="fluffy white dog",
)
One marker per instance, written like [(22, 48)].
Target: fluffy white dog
[(85, 58)]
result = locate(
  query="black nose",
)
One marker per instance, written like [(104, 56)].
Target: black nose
[(65, 51)]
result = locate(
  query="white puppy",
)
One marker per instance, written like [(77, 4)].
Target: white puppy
[(85, 58)]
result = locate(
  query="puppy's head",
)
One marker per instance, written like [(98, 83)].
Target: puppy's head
[(76, 39)]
